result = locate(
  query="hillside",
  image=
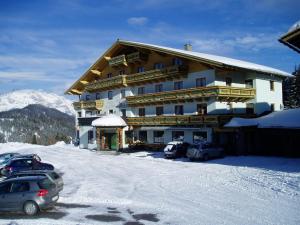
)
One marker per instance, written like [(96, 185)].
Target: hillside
[(22, 98), (36, 124)]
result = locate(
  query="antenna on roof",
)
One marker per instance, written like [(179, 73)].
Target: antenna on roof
[(188, 46)]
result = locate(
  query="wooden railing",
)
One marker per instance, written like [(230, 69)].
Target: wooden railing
[(119, 60), (222, 93), (91, 104), (157, 75), (183, 120), (108, 83), (136, 57)]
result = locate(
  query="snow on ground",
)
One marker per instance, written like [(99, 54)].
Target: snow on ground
[(144, 188)]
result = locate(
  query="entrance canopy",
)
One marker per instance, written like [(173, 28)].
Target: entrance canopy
[(109, 121)]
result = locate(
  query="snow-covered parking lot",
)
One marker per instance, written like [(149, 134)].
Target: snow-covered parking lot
[(144, 188)]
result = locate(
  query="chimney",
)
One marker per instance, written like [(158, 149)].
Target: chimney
[(188, 47)]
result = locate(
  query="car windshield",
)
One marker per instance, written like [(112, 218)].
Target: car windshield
[(169, 147), (54, 176)]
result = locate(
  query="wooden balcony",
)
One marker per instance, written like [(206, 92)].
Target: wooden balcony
[(157, 75), (186, 120), (136, 57), (117, 61), (108, 83), (221, 93), (92, 104)]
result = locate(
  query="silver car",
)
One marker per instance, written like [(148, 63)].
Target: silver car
[(27, 194), (204, 151)]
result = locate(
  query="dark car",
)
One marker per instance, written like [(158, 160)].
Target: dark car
[(176, 149), (22, 164), (5, 157), (28, 156), (51, 175), (27, 194)]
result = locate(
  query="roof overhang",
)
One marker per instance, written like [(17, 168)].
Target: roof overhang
[(292, 39)]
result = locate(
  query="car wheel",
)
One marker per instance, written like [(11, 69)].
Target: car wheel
[(31, 208), (205, 157)]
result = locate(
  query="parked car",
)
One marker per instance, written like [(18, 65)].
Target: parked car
[(5, 158), (176, 149), (27, 194), (204, 151), (51, 175), (22, 164)]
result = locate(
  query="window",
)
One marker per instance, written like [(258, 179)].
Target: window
[(109, 75), (229, 107), (178, 135), (79, 114), (121, 72), (140, 69), (202, 109), (249, 83), (272, 107), (90, 136), (159, 110), (111, 111), (20, 187), (123, 93), (178, 85), (272, 85), (228, 81), (88, 97), (159, 66), (110, 95), (98, 112), (199, 136), (177, 61), (98, 95), (123, 112), (88, 113), (141, 90), (158, 136), (141, 111), (158, 88), (5, 188), (201, 82), (249, 108), (178, 109), (143, 136)]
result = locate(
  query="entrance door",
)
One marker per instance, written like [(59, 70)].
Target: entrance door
[(113, 142)]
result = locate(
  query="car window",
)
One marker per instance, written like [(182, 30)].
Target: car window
[(20, 187), (46, 184), (5, 187), (54, 176), (23, 162)]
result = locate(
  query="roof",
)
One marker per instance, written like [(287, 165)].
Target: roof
[(286, 119), (214, 60), (292, 37), (110, 120)]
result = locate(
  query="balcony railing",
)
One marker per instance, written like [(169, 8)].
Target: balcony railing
[(182, 120), (221, 93), (91, 104), (119, 60), (156, 75), (136, 57), (108, 83)]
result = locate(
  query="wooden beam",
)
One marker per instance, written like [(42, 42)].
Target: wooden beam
[(96, 72), (76, 91), (84, 82), (107, 58)]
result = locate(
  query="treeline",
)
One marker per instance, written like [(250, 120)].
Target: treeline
[(36, 124)]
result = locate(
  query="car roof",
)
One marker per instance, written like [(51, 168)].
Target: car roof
[(29, 178), (34, 172)]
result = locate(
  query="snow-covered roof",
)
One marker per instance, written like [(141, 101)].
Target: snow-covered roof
[(110, 120), (295, 26), (283, 119), (225, 61)]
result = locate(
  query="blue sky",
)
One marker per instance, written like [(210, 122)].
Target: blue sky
[(48, 44)]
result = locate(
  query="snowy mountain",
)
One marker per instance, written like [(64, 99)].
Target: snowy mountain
[(22, 98), (36, 124)]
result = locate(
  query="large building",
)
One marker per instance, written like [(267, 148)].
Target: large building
[(137, 92)]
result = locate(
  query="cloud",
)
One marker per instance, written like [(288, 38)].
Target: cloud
[(138, 21), (29, 76)]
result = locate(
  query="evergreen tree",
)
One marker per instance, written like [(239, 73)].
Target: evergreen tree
[(291, 90)]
